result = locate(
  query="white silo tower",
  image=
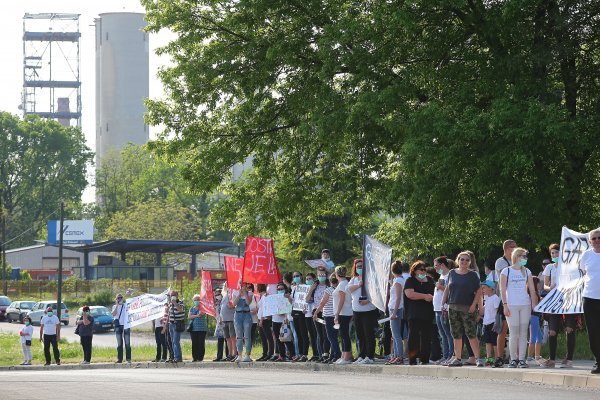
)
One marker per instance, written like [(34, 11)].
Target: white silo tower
[(122, 74)]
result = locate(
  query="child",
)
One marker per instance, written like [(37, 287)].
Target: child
[(26, 334), (491, 303), (535, 331)]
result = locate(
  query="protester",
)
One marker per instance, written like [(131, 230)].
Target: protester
[(85, 327), (462, 294), (508, 246), (514, 284), (176, 324), (535, 330), (221, 345), (396, 308), (365, 316), (326, 307), (590, 266), (315, 296), (50, 335), (418, 290), (227, 314), (342, 307), (491, 302), (436, 348), (325, 256), (265, 327), (253, 314), (198, 327), (300, 323), (283, 348), (441, 264), (243, 321), (310, 326), (119, 312), (160, 337), (26, 336)]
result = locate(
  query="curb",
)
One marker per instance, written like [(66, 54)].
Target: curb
[(556, 379)]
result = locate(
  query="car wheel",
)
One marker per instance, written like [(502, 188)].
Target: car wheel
[(66, 323)]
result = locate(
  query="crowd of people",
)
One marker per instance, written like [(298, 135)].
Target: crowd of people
[(433, 313)]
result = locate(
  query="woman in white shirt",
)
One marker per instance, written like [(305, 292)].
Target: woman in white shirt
[(342, 307), (514, 284), (326, 306), (590, 266), (396, 307), (365, 316), (26, 334)]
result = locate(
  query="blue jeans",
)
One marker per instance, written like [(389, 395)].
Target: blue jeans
[(443, 325), (175, 339), (243, 329), (295, 336), (397, 333), (123, 335), (535, 332), (332, 335)]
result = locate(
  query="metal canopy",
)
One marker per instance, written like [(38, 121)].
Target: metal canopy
[(151, 246)]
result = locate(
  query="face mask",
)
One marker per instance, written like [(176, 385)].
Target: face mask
[(421, 276), (26, 323), (50, 313), (297, 279), (281, 292), (555, 259), (173, 298), (309, 281), (325, 258), (359, 271), (322, 279), (196, 303), (522, 262), (440, 271), (218, 297)]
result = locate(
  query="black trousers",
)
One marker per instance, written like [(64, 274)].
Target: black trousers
[(281, 346), (322, 340), (301, 333), (51, 340), (591, 310), (221, 344), (161, 344), (419, 340), (198, 342), (436, 345), (266, 338), (366, 323), (312, 334), (86, 344)]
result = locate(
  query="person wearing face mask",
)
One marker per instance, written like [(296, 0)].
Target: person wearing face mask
[(265, 328), (418, 291), (365, 316), (310, 326), (300, 323), (325, 256), (326, 306), (516, 282), (86, 333), (50, 335), (278, 320), (222, 351), (119, 312), (26, 335), (315, 296), (396, 308), (198, 327), (441, 314), (176, 324), (243, 321)]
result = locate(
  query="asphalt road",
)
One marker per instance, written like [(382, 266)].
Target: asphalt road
[(160, 384)]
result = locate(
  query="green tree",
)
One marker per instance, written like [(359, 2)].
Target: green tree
[(466, 121), (41, 164)]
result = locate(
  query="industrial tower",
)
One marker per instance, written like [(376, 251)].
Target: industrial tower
[(51, 85)]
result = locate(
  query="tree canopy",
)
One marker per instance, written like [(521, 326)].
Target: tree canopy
[(465, 122)]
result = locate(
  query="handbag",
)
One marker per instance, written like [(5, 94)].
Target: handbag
[(77, 329), (28, 343), (189, 328), (180, 325), (285, 334)]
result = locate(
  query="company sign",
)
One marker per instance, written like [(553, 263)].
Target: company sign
[(74, 232)]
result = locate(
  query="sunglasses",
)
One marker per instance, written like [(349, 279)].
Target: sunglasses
[(595, 238), (297, 276), (464, 259)]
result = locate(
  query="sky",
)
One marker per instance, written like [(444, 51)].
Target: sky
[(11, 55)]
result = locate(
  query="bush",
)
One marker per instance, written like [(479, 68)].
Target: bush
[(102, 298)]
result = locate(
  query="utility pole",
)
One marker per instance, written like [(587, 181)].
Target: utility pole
[(4, 280), (60, 260)]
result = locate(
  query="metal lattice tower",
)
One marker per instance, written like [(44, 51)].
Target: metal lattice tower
[(51, 85)]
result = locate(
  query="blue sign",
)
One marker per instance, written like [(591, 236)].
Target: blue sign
[(74, 232)]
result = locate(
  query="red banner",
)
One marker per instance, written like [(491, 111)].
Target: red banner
[(207, 298), (260, 265), (234, 267)]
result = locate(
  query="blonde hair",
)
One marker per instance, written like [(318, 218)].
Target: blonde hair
[(517, 252), (463, 253), (597, 230), (340, 270)]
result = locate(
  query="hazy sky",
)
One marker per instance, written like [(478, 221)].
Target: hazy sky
[(11, 53)]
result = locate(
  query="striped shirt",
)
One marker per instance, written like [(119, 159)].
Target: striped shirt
[(318, 294), (175, 315), (328, 309)]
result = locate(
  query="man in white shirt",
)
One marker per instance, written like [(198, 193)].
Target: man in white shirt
[(325, 256), (50, 335), (508, 246), (120, 316), (590, 266)]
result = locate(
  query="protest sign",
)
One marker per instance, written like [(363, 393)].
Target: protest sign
[(567, 296), (145, 308), (377, 261), (207, 298), (234, 267), (300, 292), (260, 265), (276, 304), (316, 263)]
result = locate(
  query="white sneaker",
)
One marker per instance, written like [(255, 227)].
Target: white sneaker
[(344, 362), (84, 363), (367, 360), (339, 361), (247, 359), (238, 359), (359, 360)]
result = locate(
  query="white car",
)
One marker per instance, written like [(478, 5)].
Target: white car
[(39, 309)]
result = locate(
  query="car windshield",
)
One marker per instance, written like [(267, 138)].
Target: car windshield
[(27, 305), (5, 301), (96, 312), (54, 306)]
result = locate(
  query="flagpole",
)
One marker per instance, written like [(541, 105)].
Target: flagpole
[(363, 288)]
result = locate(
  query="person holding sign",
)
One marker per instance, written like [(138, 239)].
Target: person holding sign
[(278, 321), (590, 266), (243, 321), (300, 321), (325, 256), (119, 312), (308, 313), (365, 316)]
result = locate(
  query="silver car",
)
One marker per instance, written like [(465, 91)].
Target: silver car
[(18, 309), (39, 310)]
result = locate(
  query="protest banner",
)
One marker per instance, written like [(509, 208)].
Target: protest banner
[(260, 265), (207, 298), (276, 304), (145, 308), (567, 296), (316, 263), (300, 293), (377, 261), (234, 268)]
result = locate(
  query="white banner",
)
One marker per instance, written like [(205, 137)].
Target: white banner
[(300, 293), (275, 304), (145, 308), (566, 297), (377, 262), (316, 263), (74, 231)]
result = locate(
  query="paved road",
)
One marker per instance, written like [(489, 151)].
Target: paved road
[(188, 383)]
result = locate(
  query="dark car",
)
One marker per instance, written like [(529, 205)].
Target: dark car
[(4, 303), (18, 309), (103, 318)]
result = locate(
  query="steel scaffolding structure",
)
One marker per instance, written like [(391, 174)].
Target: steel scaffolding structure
[(51, 85)]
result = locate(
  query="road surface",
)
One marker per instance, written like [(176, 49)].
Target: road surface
[(191, 383)]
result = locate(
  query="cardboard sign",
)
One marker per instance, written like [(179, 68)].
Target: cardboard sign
[(300, 292), (260, 265), (234, 268), (276, 304), (377, 263)]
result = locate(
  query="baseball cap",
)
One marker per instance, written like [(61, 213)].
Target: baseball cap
[(491, 284)]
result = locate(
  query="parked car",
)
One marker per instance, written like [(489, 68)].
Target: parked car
[(38, 310), (4, 303), (18, 309), (103, 318)]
